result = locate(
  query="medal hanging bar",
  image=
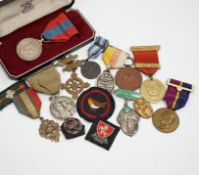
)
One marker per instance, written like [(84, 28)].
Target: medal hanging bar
[(146, 59), (177, 94)]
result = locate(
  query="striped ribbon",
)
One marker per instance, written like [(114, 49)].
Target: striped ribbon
[(115, 57), (146, 59), (177, 94), (7, 95), (28, 103), (97, 47), (59, 29)]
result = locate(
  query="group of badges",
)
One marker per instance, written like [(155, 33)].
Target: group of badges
[(96, 104)]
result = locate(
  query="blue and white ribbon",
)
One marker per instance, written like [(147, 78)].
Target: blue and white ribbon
[(97, 47)]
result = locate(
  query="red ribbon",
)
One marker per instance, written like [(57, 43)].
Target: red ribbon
[(146, 59)]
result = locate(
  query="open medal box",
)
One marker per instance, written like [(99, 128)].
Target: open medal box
[(21, 19)]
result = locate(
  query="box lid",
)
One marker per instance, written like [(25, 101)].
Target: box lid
[(19, 13)]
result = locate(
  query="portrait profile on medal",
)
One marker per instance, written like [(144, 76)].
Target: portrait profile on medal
[(62, 107)]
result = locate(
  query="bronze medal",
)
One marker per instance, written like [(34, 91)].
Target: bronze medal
[(153, 90), (165, 120), (90, 70), (128, 78)]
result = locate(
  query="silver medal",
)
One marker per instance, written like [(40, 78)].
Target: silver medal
[(62, 107), (106, 81), (29, 49), (128, 120)]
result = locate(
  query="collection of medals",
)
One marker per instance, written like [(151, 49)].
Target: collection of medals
[(96, 104)]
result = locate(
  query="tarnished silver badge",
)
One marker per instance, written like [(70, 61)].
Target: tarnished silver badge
[(62, 107), (29, 49), (128, 120), (106, 81)]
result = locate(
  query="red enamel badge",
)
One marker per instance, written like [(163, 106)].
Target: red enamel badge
[(104, 130)]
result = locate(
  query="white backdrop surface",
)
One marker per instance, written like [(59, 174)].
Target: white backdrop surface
[(174, 24)]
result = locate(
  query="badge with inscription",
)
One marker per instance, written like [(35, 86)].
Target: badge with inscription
[(165, 120), (62, 107), (102, 133), (72, 128), (153, 90), (95, 103), (128, 78), (128, 120), (106, 81)]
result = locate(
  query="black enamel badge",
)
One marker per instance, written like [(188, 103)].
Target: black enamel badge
[(102, 133), (95, 103)]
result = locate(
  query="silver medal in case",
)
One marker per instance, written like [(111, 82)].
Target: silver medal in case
[(29, 49)]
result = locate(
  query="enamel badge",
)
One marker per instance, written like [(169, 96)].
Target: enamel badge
[(102, 133), (95, 103)]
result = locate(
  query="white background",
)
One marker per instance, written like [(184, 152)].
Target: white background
[(174, 24)]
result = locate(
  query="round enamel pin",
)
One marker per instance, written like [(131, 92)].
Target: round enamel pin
[(95, 103)]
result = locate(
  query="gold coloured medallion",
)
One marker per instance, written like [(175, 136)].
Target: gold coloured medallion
[(143, 108), (153, 90), (165, 120)]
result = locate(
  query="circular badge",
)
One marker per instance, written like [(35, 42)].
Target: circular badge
[(106, 81), (90, 70), (72, 127), (165, 120), (62, 107), (95, 103), (128, 78), (29, 49), (143, 108), (153, 90)]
